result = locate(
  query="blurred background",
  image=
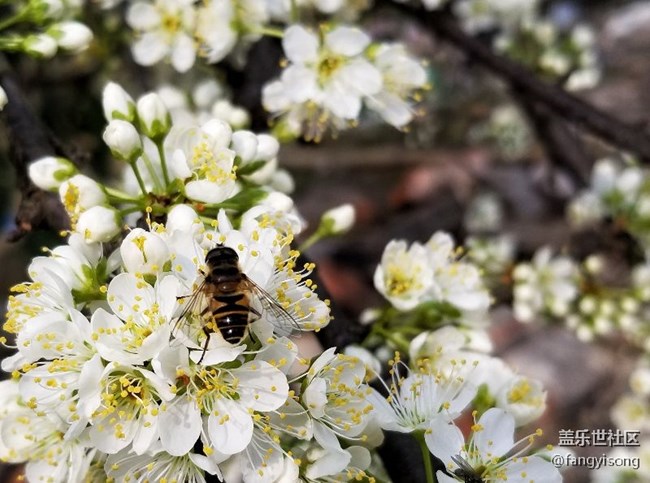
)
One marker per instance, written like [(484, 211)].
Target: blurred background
[(470, 163)]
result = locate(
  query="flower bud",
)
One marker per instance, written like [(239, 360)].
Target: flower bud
[(338, 220), (99, 224), (123, 140), (117, 103), (3, 99), (283, 181), (143, 252), (182, 218), (48, 173), (42, 10), (155, 120), (41, 46), (244, 144), (87, 192), (267, 147), (71, 36)]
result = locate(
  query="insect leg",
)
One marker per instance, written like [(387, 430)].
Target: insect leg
[(205, 345)]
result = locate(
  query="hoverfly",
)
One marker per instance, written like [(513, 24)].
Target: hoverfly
[(223, 301), (465, 471)]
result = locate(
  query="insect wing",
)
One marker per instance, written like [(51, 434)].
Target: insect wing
[(190, 309), (282, 321), (465, 470)]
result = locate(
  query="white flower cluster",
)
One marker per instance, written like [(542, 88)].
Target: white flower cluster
[(546, 285), (482, 15), (181, 30), (208, 164), (465, 352), (619, 192), (109, 381), (524, 34), (53, 28), (427, 402), (432, 272), (329, 75), (349, 10), (494, 255), (553, 53), (631, 412), (507, 129), (206, 100)]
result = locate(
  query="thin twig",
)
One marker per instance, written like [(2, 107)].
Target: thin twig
[(521, 79)]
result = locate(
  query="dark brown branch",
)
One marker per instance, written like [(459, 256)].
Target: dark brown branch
[(29, 141), (521, 79), (562, 144)]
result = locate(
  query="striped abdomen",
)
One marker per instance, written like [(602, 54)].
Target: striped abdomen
[(231, 314)]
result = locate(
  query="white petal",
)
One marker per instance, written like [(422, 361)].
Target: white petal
[(342, 102), (275, 97), (220, 355), (299, 83), (89, 387), (183, 53), (149, 49), (347, 41), (536, 469), (496, 437), (103, 435), (315, 397), (444, 440), (146, 434), (207, 191), (384, 413), (361, 76), (262, 386), (300, 45), (142, 16), (179, 426), (230, 427), (394, 110)]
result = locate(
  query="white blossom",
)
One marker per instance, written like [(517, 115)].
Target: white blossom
[(80, 193), (98, 224), (49, 172), (165, 29), (340, 219), (546, 284), (40, 45), (324, 83), (117, 103), (144, 252), (490, 454), (402, 75), (123, 140), (71, 36), (417, 398), (154, 119)]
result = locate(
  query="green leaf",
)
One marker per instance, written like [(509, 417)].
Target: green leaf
[(250, 168)]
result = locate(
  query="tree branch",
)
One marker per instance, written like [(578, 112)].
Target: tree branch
[(29, 141), (522, 80)]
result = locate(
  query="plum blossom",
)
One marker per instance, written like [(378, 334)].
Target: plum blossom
[(165, 29), (402, 76), (409, 276), (546, 285), (491, 454), (418, 397), (325, 81)]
